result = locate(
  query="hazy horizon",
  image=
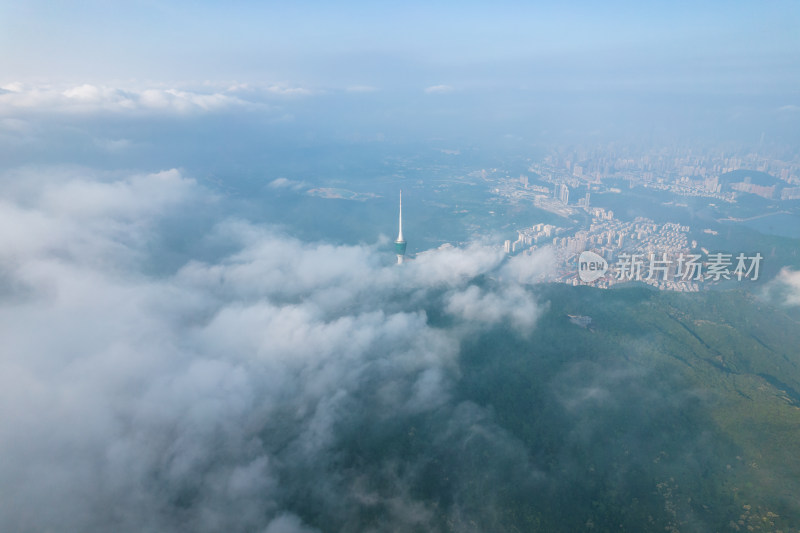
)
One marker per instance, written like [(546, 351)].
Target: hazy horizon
[(671, 72)]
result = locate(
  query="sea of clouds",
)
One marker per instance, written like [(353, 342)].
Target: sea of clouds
[(217, 395)]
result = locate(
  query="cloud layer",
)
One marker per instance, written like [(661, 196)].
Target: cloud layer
[(218, 396), (88, 98), (786, 287)]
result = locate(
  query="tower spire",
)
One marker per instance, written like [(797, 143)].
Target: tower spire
[(400, 234), (400, 243)]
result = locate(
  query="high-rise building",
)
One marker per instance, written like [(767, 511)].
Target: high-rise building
[(400, 243), (563, 194)]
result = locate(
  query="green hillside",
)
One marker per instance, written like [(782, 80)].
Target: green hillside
[(681, 410), (669, 412)]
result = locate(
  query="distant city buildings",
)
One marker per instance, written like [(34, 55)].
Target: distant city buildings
[(614, 239), (562, 193), (792, 193), (747, 186), (686, 173), (611, 239), (663, 165), (537, 234)]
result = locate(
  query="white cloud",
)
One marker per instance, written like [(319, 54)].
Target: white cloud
[(439, 89), (511, 304), (284, 183), (78, 213), (89, 98), (452, 266), (787, 286), (197, 400), (287, 523), (530, 268), (14, 87), (285, 90)]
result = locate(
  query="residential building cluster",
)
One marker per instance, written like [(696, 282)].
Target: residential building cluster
[(611, 239)]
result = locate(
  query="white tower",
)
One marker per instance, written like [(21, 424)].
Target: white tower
[(400, 243)]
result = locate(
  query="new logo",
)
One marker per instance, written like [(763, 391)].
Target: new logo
[(591, 266)]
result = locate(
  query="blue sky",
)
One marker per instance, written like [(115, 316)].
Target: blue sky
[(327, 45), (418, 69)]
